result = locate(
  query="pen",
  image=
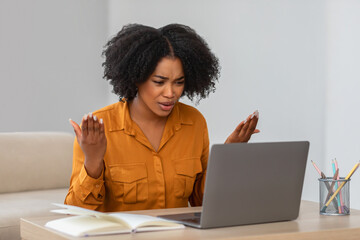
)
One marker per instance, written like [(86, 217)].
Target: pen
[(342, 185)]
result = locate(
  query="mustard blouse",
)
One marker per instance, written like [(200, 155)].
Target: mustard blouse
[(137, 177)]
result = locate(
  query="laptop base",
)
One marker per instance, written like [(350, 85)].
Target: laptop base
[(188, 219)]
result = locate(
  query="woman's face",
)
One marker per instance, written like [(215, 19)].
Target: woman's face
[(163, 88)]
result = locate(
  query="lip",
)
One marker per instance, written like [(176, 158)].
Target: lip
[(166, 106)]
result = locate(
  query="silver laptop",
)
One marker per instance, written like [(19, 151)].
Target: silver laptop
[(249, 183)]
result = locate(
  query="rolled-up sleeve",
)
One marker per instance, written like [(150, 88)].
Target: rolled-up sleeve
[(84, 190)]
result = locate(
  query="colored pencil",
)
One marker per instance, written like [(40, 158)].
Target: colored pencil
[(332, 186), (317, 169), (341, 186), (336, 186)]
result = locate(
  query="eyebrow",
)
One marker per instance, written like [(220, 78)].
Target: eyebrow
[(166, 78)]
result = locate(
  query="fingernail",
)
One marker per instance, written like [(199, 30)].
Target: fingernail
[(95, 118), (245, 121), (252, 116), (70, 120), (101, 120), (85, 117), (257, 113), (90, 115)]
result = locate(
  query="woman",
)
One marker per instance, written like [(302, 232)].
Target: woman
[(148, 150)]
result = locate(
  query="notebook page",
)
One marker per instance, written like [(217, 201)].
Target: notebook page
[(137, 220), (86, 226), (69, 209)]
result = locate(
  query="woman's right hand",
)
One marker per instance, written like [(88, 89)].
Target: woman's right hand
[(92, 140)]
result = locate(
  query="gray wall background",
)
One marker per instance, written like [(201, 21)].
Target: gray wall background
[(294, 61), (50, 64)]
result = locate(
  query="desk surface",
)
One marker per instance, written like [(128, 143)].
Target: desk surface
[(309, 225)]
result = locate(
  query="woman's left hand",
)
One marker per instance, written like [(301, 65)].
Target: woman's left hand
[(245, 129)]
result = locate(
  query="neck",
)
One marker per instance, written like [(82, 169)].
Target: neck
[(140, 113)]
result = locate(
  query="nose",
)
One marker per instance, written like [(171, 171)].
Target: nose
[(169, 91)]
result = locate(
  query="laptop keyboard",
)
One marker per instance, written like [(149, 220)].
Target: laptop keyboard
[(194, 219)]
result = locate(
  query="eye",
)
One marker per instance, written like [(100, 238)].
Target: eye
[(180, 82), (158, 82)]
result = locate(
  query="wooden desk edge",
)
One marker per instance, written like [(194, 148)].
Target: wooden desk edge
[(27, 232), (337, 234), (30, 230)]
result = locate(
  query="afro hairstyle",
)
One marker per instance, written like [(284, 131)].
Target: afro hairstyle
[(133, 54)]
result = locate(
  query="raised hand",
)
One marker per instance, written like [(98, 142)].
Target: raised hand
[(245, 129), (92, 140)]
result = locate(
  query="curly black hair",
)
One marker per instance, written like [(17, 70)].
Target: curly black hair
[(133, 54)]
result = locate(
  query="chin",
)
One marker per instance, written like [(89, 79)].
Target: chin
[(163, 114)]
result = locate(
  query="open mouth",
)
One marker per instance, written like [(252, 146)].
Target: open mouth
[(166, 106)]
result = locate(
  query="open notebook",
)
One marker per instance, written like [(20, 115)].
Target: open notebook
[(91, 223)]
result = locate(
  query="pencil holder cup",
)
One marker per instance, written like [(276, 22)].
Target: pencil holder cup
[(334, 196)]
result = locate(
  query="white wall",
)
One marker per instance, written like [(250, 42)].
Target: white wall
[(343, 101), (50, 62), (273, 59)]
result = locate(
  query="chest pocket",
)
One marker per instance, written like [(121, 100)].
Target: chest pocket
[(186, 171), (130, 183)]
